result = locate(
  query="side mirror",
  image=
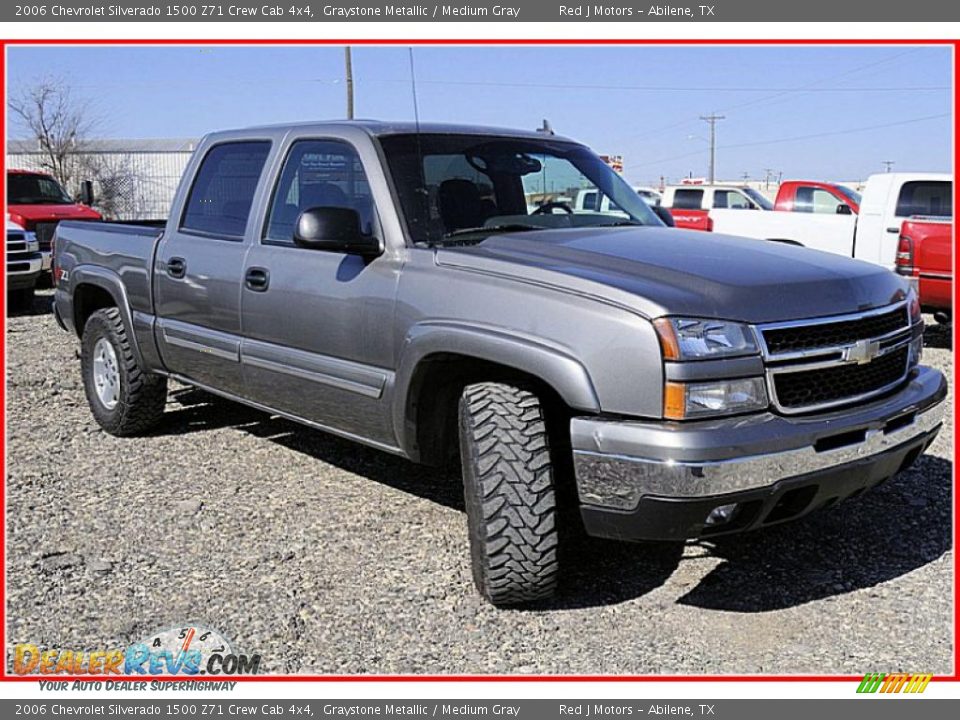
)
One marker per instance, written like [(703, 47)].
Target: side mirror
[(334, 229), (86, 192), (844, 209), (665, 215)]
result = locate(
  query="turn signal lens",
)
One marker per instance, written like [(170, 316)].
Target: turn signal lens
[(668, 339), (674, 401)]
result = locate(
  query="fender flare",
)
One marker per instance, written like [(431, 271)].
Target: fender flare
[(109, 281), (558, 369)]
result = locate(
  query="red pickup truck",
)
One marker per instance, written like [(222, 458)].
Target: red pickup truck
[(37, 202), (925, 253), (813, 196)]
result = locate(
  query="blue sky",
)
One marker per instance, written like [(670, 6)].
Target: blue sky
[(820, 112)]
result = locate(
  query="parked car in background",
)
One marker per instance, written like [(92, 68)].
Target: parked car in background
[(387, 283), (24, 264), (925, 253), (691, 204), (813, 196), (37, 202), (873, 235), (592, 200)]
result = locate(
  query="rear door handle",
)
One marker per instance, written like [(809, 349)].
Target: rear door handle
[(257, 279), (893, 229), (176, 267)]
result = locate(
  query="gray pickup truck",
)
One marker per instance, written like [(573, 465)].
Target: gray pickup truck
[(427, 291)]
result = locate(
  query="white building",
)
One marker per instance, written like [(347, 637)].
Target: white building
[(133, 179)]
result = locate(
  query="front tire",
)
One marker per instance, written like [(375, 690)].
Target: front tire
[(123, 398), (508, 482)]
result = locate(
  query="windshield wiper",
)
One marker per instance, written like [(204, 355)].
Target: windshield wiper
[(480, 234), (508, 227)]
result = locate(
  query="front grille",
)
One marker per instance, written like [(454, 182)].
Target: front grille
[(16, 246), (827, 386), (834, 334), (44, 231)]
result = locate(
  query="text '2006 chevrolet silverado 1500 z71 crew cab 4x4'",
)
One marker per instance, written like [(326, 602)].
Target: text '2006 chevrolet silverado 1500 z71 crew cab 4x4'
[(389, 284)]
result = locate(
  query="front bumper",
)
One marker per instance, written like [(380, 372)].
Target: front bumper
[(25, 273), (661, 480)]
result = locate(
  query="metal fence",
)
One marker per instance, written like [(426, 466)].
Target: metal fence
[(131, 181)]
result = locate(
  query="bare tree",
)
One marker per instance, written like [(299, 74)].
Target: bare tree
[(57, 121)]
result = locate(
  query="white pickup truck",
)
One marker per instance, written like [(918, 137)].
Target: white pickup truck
[(888, 199)]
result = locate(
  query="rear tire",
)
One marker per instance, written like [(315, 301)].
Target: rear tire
[(129, 401), (508, 482)]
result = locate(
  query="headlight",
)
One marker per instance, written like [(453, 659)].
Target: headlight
[(913, 305), (33, 244), (685, 401), (696, 339)]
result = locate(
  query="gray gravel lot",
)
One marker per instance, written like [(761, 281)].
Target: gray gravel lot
[(327, 557)]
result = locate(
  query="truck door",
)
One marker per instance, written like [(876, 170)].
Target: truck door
[(199, 267), (317, 324)]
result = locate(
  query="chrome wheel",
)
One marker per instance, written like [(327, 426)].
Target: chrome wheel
[(106, 374)]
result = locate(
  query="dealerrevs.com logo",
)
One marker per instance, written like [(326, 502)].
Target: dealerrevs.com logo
[(188, 650), (894, 683)]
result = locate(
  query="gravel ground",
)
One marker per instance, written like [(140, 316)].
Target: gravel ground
[(327, 557)]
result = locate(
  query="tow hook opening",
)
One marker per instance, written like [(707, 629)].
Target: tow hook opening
[(833, 442), (899, 423)]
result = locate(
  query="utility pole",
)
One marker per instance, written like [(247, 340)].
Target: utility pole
[(888, 164), (712, 119), (746, 178), (348, 66), (767, 172)]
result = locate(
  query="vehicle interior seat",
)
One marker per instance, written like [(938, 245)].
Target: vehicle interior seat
[(461, 205)]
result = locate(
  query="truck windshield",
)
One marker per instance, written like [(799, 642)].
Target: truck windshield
[(850, 194), (35, 190), (758, 198), (463, 188)]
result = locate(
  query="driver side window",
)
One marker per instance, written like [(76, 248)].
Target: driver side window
[(318, 173)]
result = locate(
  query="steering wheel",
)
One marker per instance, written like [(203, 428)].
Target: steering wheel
[(551, 206)]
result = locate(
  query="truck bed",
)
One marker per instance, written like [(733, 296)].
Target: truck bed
[(123, 249)]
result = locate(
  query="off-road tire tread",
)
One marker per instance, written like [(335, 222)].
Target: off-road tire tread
[(143, 395), (509, 493)]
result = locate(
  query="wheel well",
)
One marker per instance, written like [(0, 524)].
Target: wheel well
[(434, 395), (87, 299)]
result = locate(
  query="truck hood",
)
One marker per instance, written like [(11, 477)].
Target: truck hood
[(32, 214), (665, 271)]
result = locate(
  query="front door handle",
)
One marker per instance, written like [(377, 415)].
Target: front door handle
[(257, 279), (176, 267), (893, 229)]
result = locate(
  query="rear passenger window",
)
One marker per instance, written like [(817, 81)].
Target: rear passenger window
[(318, 173), (223, 190), (688, 199), (926, 197)]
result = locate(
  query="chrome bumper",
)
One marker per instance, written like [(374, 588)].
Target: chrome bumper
[(618, 463)]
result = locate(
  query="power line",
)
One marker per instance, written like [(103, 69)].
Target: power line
[(801, 89), (669, 88), (795, 138)]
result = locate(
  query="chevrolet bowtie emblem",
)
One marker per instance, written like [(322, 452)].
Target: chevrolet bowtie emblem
[(861, 352)]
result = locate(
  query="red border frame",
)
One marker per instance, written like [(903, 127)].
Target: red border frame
[(5, 677)]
